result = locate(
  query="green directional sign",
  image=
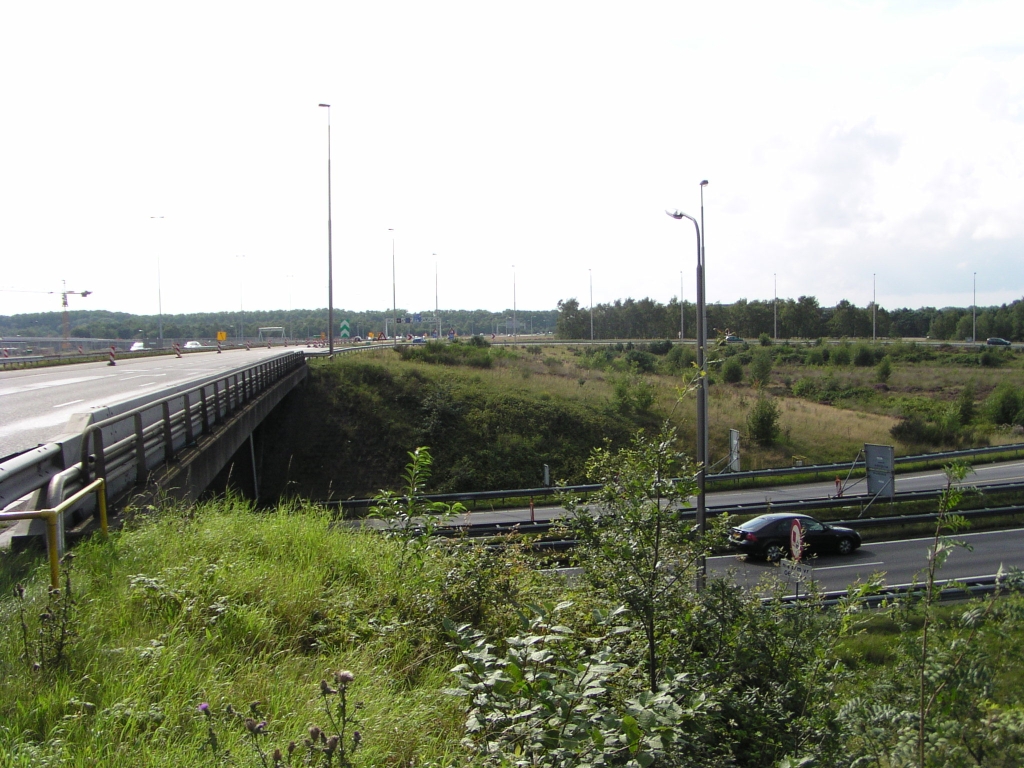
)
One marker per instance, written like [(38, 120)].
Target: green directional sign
[(345, 329)]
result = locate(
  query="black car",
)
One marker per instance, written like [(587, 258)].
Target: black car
[(995, 341), (768, 536)]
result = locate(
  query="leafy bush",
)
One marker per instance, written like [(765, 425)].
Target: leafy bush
[(761, 367), (644, 362), (841, 354), (863, 356), (764, 340), (806, 387), (660, 347), (1004, 405), (816, 356), (884, 370), (763, 421), (681, 358), (732, 371)]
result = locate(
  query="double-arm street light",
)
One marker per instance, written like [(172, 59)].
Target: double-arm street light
[(330, 243), (702, 389)]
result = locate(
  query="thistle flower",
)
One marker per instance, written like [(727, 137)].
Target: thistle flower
[(315, 733), (255, 728), (292, 746), (343, 677), (19, 591), (332, 744), (325, 689), (278, 756), (205, 709), (357, 739)]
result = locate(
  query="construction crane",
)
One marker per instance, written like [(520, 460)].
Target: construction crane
[(65, 320)]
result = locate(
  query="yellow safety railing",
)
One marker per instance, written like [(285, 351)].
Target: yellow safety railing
[(51, 516)]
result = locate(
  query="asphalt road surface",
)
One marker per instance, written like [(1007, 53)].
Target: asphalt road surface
[(900, 562), (36, 403)]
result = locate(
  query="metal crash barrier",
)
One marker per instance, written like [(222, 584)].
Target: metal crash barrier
[(54, 517)]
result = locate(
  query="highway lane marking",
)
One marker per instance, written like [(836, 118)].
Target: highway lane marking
[(71, 402), (49, 384), (854, 565)]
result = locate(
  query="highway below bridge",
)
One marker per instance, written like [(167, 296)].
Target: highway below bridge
[(206, 396)]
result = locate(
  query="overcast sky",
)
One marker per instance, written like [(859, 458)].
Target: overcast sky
[(841, 140)]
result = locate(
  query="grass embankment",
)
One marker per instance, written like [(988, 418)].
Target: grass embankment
[(224, 606), (493, 416)]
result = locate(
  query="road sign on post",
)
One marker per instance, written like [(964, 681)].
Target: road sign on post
[(796, 540), (345, 329)]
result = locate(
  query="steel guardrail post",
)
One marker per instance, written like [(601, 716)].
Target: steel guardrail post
[(168, 434), (141, 470), (205, 410), (186, 407)]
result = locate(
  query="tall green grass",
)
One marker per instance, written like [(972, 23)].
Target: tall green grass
[(223, 605)]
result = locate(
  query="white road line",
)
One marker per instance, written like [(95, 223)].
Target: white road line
[(855, 565), (72, 402)]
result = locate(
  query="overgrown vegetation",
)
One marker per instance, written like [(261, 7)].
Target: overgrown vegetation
[(350, 652), (496, 414)]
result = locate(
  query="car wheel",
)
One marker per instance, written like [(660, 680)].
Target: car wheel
[(845, 546), (774, 552)]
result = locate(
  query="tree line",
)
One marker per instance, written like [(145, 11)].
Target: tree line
[(297, 323), (803, 317)]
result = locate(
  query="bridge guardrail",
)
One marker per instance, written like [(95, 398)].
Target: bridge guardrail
[(124, 449)]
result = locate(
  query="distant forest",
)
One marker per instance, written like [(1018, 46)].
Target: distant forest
[(298, 323), (623, 319), (799, 318)]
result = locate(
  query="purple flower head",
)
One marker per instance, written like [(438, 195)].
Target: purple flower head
[(204, 708), (344, 677)]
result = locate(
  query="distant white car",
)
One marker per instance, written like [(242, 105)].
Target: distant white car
[(138, 346), (193, 345)]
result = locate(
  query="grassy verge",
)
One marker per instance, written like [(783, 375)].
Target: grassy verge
[(222, 606)]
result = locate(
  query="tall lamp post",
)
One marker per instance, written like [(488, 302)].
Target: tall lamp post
[(241, 299), (702, 389), (330, 243), (775, 305), (974, 312)]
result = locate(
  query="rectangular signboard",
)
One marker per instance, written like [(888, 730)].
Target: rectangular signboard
[(879, 461), (797, 572)]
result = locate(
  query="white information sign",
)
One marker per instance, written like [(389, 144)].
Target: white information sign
[(797, 572)]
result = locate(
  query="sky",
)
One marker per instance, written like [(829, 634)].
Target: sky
[(172, 156)]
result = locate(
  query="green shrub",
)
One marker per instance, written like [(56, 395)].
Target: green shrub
[(761, 366), (863, 356), (807, 388), (660, 347), (644, 362), (681, 358), (763, 421), (1004, 405), (884, 370), (841, 354), (732, 371), (764, 340), (816, 356)]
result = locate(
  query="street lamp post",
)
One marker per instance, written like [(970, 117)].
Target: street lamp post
[(775, 305), (974, 312), (330, 243), (702, 389), (437, 312)]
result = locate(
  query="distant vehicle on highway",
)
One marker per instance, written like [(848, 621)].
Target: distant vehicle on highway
[(767, 536), (995, 341), (733, 339), (138, 346), (418, 340), (193, 345)]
